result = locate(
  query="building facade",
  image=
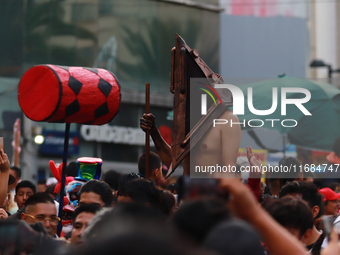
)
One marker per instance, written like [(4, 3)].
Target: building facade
[(131, 38)]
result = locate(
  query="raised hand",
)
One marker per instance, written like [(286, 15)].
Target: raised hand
[(4, 162), (147, 122), (254, 160)]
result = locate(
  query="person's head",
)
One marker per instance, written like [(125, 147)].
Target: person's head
[(140, 191), (318, 182), (23, 191), (196, 218), (331, 201), (290, 163), (155, 166), (168, 202), (294, 214), (239, 238), (81, 217), (96, 192), (336, 146), (41, 207), (16, 173), (335, 186), (127, 178), (308, 192), (308, 176), (132, 228), (276, 180), (50, 190), (111, 178), (42, 185), (71, 169)]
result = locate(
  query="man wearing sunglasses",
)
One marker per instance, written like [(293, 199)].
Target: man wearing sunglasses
[(40, 207)]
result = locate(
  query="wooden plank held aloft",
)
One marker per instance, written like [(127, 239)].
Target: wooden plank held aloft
[(187, 64)]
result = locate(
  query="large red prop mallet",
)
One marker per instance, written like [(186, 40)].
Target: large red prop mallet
[(69, 95)]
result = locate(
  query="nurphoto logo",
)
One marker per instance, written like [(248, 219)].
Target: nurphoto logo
[(238, 104)]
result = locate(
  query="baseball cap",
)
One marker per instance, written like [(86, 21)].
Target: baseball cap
[(11, 179), (328, 194)]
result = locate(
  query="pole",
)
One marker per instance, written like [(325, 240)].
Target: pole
[(62, 186), (147, 135)]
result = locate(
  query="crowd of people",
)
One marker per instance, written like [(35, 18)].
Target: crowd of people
[(129, 214)]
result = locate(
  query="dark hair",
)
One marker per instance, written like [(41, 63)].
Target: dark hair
[(110, 221), (290, 188), (234, 237), (111, 178), (291, 163), (25, 184), (127, 178), (154, 162), (318, 183), (197, 217), (308, 174), (333, 185), (88, 208), (167, 202), (104, 235), (336, 146), (17, 171), (309, 193), (141, 191), (42, 181), (40, 197), (71, 169), (99, 187), (50, 189), (291, 212)]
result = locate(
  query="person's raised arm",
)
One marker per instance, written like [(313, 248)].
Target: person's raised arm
[(243, 203), (147, 123), (254, 180), (4, 175)]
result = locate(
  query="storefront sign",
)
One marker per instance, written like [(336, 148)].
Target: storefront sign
[(54, 143), (113, 134)]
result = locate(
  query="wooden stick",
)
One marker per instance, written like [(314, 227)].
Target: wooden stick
[(147, 135)]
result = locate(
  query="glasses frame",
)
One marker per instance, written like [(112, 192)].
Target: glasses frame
[(45, 219)]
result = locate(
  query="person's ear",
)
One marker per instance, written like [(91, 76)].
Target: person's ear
[(156, 172), (147, 204), (15, 198), (315, 211), (160, 172), (23, 216)]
